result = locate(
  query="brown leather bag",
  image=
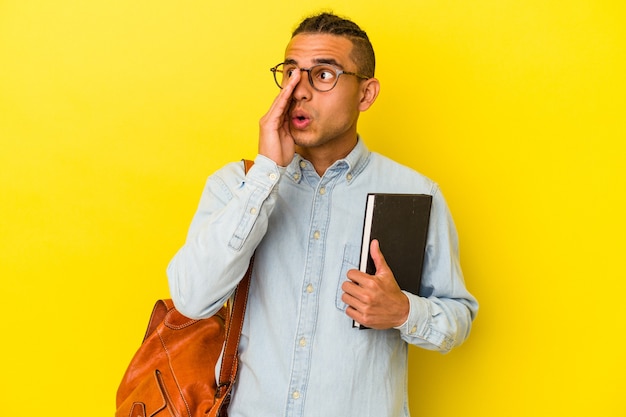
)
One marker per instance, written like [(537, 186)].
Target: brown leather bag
[(173, 372)]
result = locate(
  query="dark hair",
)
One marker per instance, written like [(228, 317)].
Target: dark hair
[(362, 50)]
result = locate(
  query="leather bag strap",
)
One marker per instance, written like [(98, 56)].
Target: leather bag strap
[(228, 369), (158, 315)]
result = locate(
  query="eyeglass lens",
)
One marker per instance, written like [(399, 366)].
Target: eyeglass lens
[(322, 77)]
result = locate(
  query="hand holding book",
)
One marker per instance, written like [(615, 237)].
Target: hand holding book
[(375, 300), (398, 223)]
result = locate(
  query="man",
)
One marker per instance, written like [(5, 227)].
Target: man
[(301, 208)]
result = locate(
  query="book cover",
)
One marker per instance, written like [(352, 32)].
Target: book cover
[(400, 223)]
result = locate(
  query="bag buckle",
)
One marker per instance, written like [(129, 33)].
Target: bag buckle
[(218, 392)]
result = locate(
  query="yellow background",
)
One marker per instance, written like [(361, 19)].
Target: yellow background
[(112, 114)]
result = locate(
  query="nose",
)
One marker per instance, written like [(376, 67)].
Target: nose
[(303, 89)]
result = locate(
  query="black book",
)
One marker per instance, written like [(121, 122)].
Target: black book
[(400, 224)]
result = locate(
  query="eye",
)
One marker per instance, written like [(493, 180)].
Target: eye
[(288, 71), (325, 74)]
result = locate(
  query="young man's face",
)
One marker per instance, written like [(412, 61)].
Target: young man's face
[(324, 120)]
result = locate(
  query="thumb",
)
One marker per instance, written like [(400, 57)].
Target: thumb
[(378, 258)]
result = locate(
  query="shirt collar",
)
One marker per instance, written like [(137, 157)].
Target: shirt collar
[(352, 164)]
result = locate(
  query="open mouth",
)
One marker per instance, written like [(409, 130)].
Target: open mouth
[(300, 120)]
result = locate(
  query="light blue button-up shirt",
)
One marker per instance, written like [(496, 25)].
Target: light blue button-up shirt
[(299, 353)]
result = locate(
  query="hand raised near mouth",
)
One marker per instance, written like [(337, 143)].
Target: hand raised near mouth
[(275, 140)]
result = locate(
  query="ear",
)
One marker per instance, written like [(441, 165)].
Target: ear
[(369, 91)]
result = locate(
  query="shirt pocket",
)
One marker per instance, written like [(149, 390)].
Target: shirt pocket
[(350, 260)]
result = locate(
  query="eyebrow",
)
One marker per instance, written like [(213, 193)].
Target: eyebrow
[(330, 61)]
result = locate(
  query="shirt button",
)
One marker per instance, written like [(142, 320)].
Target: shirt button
[(273, 176), (317, 235), (295, 395), (302, 342), (413, 329), (322, 190), (296, 176), (302, 164), (309, 288), (349, 177), (253, 210)]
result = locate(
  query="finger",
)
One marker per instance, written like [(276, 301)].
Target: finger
[(353, 313), (350, 299), (354, 275), (378, 258), (352, 286), (293, 81), (353, 302), (283, 100)]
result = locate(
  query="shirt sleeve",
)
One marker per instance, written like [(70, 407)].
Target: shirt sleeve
[(230, 221), (440, 318)]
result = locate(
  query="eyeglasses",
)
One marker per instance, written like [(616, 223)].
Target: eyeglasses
[(322, 77)]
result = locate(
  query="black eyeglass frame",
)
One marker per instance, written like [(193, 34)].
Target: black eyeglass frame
[(338, 72)]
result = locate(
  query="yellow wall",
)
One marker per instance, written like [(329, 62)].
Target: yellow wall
[(112, 114)]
